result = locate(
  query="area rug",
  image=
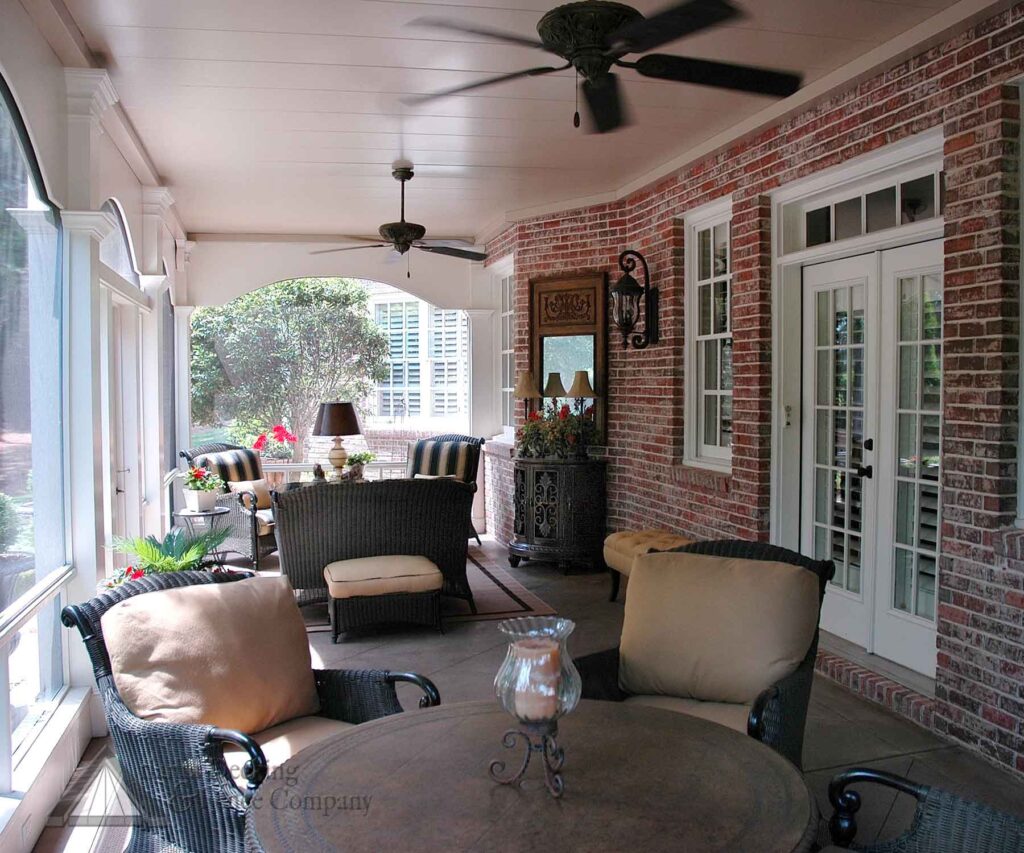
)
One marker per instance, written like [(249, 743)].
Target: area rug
[(497, 595)]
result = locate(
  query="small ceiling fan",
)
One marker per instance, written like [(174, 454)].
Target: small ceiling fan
[(592, 36), (402, 236)]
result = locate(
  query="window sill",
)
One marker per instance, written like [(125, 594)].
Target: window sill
[(705, 475)]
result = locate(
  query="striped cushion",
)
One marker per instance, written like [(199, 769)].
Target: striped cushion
[(440, 458), (232, 465)]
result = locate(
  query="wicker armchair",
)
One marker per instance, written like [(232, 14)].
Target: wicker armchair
[(176, 775), (325, 522), (778, 715), (242, 523), (943, 822), (421, 461)]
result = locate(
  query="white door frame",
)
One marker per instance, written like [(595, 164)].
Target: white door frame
[(923, 150)]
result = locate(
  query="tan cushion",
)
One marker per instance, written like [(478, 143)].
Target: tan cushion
[(257, 486), (281, 742), (264, 522), (714, 628), (233, 655), (727, 714), (381, 576), (433, 476), (620, 549)]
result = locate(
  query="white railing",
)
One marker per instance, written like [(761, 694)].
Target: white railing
[(12, 619), (295, 472)]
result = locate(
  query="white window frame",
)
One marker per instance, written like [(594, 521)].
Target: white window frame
[(694, 451), (504, 283), (402, 302)]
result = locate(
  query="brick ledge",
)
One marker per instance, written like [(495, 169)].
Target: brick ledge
[(876, 688)]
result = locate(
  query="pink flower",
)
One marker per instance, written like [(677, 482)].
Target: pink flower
[(535, 416), (261, 442), (563, 413), (134, 574)]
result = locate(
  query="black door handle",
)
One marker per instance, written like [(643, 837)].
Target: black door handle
[(866, 472)]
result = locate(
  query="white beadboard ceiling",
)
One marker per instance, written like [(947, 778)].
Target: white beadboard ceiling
[(266, 116)]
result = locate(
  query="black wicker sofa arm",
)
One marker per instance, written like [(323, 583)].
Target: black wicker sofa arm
[(599, 673), (357, 696)]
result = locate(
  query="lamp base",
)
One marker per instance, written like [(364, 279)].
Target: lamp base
[(338, 456), (540, 738)]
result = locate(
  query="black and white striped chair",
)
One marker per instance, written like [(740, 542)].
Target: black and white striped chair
[(250, 522), (449, 455)]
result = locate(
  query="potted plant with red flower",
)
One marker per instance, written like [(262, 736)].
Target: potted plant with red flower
[(201, 488), (275, 443)]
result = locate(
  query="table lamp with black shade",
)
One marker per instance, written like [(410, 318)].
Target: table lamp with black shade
[(337, 420)]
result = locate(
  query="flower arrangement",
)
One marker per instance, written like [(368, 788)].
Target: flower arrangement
[(274, 443), (561, 431), (202, 480), (177, 552)]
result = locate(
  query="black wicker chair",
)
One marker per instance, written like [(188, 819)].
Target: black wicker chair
[(943, 822), (469, 476), (779, 714), (242, 523), (176, 774), (325, 522)]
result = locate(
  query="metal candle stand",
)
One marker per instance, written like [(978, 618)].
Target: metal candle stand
[(540, 738)]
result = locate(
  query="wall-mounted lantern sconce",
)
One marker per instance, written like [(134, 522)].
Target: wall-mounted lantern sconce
[(627, 296)]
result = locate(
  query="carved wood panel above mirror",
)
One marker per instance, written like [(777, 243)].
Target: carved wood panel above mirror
[(569, 332)]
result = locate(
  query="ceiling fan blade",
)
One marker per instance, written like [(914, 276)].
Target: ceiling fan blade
[(670, 24), (724, 75), (455, 253), (454, 243), (605, 102), (486, 32), (349, 248), (490, 81)]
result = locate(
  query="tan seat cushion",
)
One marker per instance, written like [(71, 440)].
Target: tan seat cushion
[(233, 655), (433, 476), (281, 742), (258, 486), (381, 576), (620, 549), (727, 714), (264, 522), (714, 628)]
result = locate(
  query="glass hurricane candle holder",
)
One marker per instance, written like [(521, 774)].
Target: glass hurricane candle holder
[(537, 684)]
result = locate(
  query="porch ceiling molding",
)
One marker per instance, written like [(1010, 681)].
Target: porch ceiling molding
[(915, 40), (96, 223)]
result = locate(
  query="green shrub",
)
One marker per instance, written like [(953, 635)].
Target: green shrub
[(8, 521)]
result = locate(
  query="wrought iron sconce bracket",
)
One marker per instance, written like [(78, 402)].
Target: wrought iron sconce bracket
[(626, 296)]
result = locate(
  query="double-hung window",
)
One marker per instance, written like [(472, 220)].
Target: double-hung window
[(398, 396), (709, 363), (507, 320)]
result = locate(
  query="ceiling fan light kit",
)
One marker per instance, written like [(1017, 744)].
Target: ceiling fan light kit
[(593, 36)]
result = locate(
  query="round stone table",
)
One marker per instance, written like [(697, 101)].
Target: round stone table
[(636, 778)]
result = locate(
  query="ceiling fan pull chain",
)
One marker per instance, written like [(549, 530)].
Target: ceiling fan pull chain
[(408, 264), (576, 116)]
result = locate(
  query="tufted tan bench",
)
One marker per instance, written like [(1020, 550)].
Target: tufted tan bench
[(620, 549)]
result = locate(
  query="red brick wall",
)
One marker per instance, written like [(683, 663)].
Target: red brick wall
[(958, 85), (498, 489)]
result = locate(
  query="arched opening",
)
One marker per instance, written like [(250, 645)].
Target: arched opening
[(262, 363), (116, 249)]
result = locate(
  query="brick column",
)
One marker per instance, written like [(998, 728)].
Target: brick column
[(981, 642)]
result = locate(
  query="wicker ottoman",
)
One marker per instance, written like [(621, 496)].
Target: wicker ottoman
[(376, 590), (620, 549)]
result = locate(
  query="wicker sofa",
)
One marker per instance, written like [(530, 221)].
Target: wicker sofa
[(177, 775), (327, 522), (778, 714)]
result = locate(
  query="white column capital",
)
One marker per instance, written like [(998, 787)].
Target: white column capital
[(183, 253), (156, 201), (476, 314), (183, 312), (152, 284), (96, 223), (90, 92)]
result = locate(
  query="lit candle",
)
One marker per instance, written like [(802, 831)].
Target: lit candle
[(540, 672)]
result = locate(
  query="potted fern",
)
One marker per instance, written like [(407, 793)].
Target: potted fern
[(178, 551)]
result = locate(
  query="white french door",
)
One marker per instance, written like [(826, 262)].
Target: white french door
[(872, 383)]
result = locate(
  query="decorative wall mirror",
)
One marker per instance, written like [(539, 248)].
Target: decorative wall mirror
[(568, 332)]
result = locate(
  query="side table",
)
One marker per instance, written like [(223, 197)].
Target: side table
[(209, 519)]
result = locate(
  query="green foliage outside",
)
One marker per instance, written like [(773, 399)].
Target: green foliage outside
[(8, 522), (273, 355)]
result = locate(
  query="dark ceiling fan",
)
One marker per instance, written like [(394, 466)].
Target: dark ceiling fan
[(402, 236), (592, 36)]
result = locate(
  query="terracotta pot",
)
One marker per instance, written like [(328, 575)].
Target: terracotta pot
[(199, 501)]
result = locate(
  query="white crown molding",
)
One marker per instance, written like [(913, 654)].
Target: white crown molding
[(58, 27), (90, 92), (916, 40), (96, 223), (156, 201), (120, 129)]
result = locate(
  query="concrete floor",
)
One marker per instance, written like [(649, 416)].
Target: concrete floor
[(842, 729)]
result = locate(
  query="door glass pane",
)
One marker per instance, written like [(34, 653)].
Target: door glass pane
[(842, 315), (856, 438), (928, 527), (824, 319), (838, 499), (857, 376), (925, 587), (932, 325), (821, 484), (821, 442), (839, 552), (822, 377), (908, 376), (930, 441), (853, 565), (839, 455), (856, 497), (721, 306), (710, 365), (705, 309), (905, 515), (727, 364), (931, 387), (881, 206), (821, 546), (839, 385), (857, 314), (725, 434), (907, 446), (818, 225), (903, 580), (910, 309), (848, 218)]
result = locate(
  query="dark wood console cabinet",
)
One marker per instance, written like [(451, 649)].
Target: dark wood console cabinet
[(559, 511)]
